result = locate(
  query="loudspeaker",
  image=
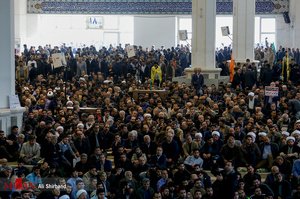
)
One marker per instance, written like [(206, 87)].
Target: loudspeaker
[(286, 17), (183, 35), (225, 31)]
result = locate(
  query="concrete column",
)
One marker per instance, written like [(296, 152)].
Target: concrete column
[(7, 66), (8, 117), (203, 27), (294, 26), (20, 15), (203, 41), (243, 30)]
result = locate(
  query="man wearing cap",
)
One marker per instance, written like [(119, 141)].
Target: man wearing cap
[(217, 139), (82, 194), (296, 135), (208, 151), (30, 151), (251, 101), (290, 151), (268, 150)]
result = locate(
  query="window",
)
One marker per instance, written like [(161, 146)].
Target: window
[(265, 27), (267, 30), (185, 24)]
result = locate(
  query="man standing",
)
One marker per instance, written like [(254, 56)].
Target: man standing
[(197, 79), (228, 180)]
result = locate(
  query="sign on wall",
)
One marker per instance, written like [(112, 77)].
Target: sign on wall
[(94, 22)]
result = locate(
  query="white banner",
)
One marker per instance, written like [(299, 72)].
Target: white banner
[(59, 60)]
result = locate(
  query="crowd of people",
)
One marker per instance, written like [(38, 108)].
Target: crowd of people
[(84, 132)]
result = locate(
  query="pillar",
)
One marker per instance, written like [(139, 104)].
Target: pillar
[(203, 41), (20, 14), (243, 30), (294, 26), (8, 117)]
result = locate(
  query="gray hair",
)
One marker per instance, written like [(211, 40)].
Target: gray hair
[(53, 137), (274, 167), (171, 131), (146, 136), (102, 173), (145, 180), (122, 112), (127, 172), (84, 155), (134, 133), (21, 135)]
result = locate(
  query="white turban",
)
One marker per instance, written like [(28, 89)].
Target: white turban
[(252, 134), (69, 102), (262, 134), (59, 127), (81, 191), (216, 133), (290, 138), (64, 197), (251, 94), (298, 121), (148, 115), (295, 132), (80, 124), (285, 133), (198, 134)]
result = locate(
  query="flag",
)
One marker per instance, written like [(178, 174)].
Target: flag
[(282, 70), (273, 47), (287, 65), (231, 68)]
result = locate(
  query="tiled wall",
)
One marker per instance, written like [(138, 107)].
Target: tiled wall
[(132, 7)]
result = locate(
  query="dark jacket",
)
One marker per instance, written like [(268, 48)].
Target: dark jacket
[(249, 78), (160, 162), (101, 140), (250, 154), (197, 81), (83, 147), (149, 150), (267, 76), (286, 189), (171, 150), (274, 149)]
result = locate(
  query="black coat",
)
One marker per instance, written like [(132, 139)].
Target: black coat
[(286, 189), (237, 79), (274, 149), (83, 147), (267, 76), (101, 140), (249, 78)]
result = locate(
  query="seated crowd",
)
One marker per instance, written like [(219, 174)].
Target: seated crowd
[(84, 132)]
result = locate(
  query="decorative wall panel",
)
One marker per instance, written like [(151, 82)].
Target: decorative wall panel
[(133, 7)]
